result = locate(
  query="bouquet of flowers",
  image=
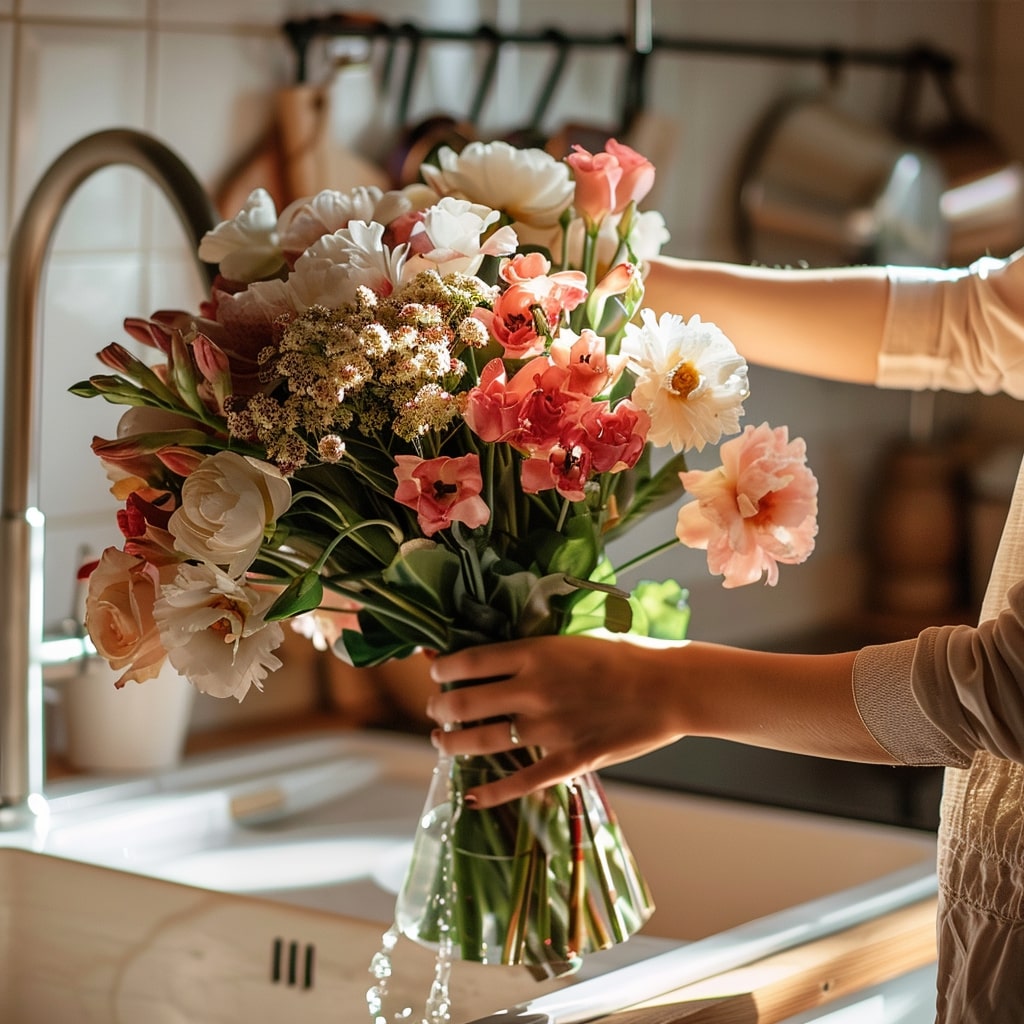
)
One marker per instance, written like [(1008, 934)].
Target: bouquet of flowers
[(416, 419)]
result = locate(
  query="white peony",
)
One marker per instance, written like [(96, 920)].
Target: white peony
[(214, 631), (528, 185), (247, 247), (226, 505), (691, 381)]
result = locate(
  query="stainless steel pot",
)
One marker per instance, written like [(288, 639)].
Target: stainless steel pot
[(822, 188), (983, 202)]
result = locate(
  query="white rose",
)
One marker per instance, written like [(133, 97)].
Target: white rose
[(214, 631), (226, 505)]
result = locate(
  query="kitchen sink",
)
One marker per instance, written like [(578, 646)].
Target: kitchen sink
[(255, 885)]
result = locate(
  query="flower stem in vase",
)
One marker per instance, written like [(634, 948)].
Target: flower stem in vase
[(537, 882)]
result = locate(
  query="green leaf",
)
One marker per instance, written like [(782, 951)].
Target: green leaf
[(356, 649), (575, 551), (304, 594), (426, 575)]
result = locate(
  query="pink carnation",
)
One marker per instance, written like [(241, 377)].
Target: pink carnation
[(757, 509)]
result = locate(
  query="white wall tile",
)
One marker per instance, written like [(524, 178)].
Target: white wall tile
[(6, 92), (100, 10), (74, 81), (227, 12), (233, 120), (86, 300)]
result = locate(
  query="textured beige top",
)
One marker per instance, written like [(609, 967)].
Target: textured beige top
[(955, 695)]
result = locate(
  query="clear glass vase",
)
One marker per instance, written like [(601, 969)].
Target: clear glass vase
[(540, 881)]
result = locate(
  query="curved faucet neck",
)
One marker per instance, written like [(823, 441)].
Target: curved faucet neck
[(22, 753)]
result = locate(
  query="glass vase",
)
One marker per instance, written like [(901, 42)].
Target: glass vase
[(539, 881)]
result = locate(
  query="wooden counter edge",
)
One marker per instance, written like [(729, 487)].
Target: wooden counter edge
[(803, 978)]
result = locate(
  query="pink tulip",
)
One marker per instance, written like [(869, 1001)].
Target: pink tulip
[(442, 491), (532, 294), (491, 410), (756, 510), (565, 469)]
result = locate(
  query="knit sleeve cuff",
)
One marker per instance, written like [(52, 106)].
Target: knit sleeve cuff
[(885, 702)]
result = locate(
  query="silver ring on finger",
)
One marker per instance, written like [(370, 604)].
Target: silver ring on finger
[(513, 732)]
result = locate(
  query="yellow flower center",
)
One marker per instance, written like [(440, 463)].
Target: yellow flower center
[(684, 379)]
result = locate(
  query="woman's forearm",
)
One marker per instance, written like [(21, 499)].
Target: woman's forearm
[(794, 702), (823, 323), (589, 702)]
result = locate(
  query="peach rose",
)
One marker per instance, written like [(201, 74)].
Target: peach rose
[(119, 615)]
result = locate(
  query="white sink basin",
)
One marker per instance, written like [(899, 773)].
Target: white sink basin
[(255, 887)]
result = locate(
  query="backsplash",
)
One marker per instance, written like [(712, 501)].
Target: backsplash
[(203, 77)]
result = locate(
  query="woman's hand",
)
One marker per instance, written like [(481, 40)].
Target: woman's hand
[(586, 702)]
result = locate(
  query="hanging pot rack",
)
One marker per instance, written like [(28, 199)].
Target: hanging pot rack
[(302, 33)]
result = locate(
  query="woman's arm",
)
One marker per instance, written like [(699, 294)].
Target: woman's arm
[(823, 323), (589, 702)]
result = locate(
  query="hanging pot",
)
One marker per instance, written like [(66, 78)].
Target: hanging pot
[(983, 201), (823, 188), (419, 142)]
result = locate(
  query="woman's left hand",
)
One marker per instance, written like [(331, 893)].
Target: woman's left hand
[(585, 702)]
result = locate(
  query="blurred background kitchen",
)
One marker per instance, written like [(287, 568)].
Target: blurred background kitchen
[(894, 102)]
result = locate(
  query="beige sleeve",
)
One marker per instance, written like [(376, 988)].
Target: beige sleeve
[(956, 330), (882, 678), (955, 690)]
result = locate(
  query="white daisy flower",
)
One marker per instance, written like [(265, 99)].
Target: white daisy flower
[(690, 379)]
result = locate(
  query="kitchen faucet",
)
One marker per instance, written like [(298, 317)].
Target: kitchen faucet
[(22, 742)]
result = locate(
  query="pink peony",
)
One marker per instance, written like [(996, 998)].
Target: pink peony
[(757, 509), (615, 437), (442, 491)]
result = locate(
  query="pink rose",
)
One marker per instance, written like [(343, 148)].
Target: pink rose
[(442, 491), (597, 180), (757, 509), (637, 174), (608, 182)]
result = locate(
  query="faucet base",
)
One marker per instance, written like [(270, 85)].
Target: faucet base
[(23, 815)]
